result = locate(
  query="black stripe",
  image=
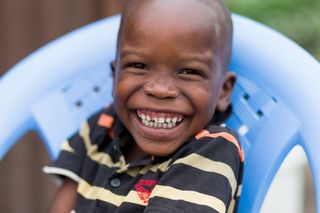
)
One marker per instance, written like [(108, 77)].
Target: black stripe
[(158, 204), (85, 206), (218, 150), (219, 188)]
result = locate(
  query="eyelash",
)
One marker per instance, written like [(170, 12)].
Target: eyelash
[(190, 72), (137, 65), (186, 72)]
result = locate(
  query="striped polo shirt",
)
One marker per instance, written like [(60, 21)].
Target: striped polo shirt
[(203, 175)]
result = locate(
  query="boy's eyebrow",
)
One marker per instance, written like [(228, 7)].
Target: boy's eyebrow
[(128, 51), (202, 58), (207, 59)]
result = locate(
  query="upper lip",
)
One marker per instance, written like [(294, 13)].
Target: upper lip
[(160, 110)]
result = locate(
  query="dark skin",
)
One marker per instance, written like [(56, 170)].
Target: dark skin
[(166, 67), (65, 198), (161, 73)]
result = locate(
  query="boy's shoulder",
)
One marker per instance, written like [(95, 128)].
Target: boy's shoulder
[(101, 125), (213, 131), (221, 138), (103, 117), (213, 128), (212, 141)]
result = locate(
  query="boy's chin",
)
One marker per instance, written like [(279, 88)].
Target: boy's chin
[(158, 148)]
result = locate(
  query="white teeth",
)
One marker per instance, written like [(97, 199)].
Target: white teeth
[(159, 122), (174, 120)]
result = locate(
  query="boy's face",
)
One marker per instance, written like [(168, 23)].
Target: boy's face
[(168, 80)]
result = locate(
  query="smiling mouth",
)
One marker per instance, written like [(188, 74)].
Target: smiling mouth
[(159, 120)]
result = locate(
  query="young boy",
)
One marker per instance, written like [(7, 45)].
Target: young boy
[(158, 148)]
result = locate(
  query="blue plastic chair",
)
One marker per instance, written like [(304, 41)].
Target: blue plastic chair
[(276, 100)]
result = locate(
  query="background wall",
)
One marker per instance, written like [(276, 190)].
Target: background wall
[(26, 25)]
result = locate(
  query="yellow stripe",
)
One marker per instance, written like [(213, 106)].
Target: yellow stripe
[(98, 193), (134, 198), (66, 147), (60, 171), (225, 135), (207, 165), (239, 191), (189, 196), (105, 159), (131, 172), (163, 167), (93, 152), (233, 202), (231, 206)]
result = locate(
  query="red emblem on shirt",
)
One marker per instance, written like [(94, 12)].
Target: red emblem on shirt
[(144, 189)]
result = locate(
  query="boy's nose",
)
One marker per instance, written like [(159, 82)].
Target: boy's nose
[(161, 87)]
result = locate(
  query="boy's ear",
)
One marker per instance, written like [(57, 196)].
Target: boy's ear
[(113, 73), (113, 69), (226, 91)]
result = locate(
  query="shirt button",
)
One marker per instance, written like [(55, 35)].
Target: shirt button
[(114, 147), (115, 182)]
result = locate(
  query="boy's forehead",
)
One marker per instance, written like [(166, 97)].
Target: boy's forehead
[(210, 14), (202, 15), (172, 15), (179, 9), (213, 5)]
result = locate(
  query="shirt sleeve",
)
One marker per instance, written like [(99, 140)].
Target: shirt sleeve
[(70, 160), (205, 179)]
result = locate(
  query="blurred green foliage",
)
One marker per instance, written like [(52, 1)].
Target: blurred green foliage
[(297, 19)]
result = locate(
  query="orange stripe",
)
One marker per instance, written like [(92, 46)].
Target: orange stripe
[(202, 133), (105, 121), (225, 135)]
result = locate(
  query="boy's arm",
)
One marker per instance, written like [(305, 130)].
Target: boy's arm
[(204, 180), (65, 198)]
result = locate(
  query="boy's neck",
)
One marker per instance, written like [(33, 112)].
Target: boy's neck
[(131, 150)]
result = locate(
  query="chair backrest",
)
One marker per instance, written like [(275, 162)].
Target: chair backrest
[(276, 104)]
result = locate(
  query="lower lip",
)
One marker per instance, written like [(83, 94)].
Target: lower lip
[(159, 134)]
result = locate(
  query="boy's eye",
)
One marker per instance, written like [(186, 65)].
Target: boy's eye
[(138, 66), (190, 72)]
